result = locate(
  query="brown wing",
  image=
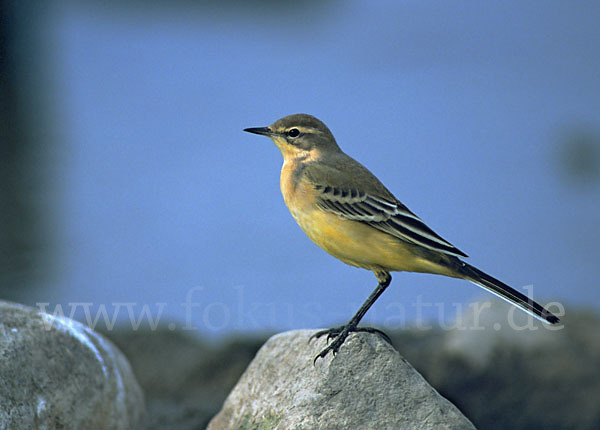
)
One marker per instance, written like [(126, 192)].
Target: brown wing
[(351, 191)]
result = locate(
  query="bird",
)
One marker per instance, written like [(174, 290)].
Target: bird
[(344, 209)]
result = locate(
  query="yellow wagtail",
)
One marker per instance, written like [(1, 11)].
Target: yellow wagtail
[(349, 213)]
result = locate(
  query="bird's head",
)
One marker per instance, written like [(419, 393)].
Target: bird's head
[(299, 136)]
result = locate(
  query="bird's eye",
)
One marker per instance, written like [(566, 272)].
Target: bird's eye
[(293, 132)]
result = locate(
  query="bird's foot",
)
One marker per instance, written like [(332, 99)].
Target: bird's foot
[(339, 335)]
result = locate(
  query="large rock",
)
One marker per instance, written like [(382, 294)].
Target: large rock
[(185, 379), (367, 385), (57, 373)]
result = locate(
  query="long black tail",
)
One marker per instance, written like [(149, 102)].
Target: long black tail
[(507, 293)]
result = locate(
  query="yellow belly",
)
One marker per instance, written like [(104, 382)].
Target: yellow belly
[(361, 245), (353, 242)]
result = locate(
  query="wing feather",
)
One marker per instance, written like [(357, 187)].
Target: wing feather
[(389, 216)]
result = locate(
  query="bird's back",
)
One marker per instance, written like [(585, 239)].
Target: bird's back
[(339, 170)]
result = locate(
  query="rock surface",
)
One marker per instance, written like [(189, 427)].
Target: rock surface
[(367, 385), (58, 373), (185, 378)]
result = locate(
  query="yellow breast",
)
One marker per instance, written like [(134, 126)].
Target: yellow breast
[(353, 242)]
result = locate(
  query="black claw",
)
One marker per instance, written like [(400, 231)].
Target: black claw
[(319, 334), (375, 331), (330, 332), (339, 334)]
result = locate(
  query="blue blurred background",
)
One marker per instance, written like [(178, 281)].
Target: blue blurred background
[(127, 181)]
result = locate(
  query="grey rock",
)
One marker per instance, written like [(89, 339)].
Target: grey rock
[(185, 379), (57, 373), (367, 385)]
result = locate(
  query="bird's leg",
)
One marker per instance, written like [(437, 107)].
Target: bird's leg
[(339, 334)]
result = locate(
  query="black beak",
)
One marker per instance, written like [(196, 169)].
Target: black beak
[(265, 131)]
